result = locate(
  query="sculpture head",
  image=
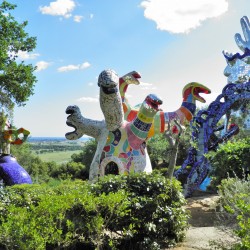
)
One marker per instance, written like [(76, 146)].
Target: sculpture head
[(238, 65), (192, 90), (131, 78), (138, 128), (108, 79), (150, 106)]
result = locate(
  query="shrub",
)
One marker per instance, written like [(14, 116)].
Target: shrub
[(230, 159), (235, 209), (119, 212), (156, 214)]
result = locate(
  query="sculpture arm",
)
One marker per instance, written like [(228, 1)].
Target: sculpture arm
[(243, 44), (82, 125)]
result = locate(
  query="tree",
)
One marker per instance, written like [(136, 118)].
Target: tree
[(85, 157), (173, 137), (16, 78), (160, 150), (157, 148), (87, 154)]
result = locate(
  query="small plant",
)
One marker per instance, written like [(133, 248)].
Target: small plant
[(235, 209)]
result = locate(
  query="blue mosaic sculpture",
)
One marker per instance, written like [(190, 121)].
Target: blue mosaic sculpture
[(205, 123), (11, 172)]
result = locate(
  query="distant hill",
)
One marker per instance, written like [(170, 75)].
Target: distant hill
[(53, 139)]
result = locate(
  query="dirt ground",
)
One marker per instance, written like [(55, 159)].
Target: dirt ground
[(204, 225)]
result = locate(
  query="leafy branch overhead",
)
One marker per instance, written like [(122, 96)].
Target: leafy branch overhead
[(16, 78)]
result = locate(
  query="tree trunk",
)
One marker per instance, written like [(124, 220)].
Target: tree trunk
[(4, 146), (174, 143), (172, 160)]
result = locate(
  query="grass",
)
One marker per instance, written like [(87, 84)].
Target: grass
[(59, 156)]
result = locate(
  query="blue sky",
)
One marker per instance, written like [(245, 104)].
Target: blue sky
[(170, 42)]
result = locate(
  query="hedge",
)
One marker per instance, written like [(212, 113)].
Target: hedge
[(140, 211)]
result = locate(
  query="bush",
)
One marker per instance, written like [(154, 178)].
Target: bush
[(156, 214), (119, 212), (230, 160), (70, 170), (235, 209)]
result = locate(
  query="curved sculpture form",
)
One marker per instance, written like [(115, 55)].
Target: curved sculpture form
[(127, 133), (190, 94), (13, 135), (11, 172), (93, 128), (125, 146), (205, 123)]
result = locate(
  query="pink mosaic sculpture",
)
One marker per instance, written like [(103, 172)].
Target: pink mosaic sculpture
[(122, 136), (121, 144), (183, 114)]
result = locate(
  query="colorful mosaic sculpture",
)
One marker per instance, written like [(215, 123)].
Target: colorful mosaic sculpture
[(205, 123), (10, 171), (120, 143), (184, 114), (122, 137)]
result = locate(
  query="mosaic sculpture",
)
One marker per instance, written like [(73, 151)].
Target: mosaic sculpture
[(120, 143), (184, 114), (126, 141), (10, 171), (125, 148), (205, 123)]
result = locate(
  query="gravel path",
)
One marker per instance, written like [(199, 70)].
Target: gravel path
[(203, 223)]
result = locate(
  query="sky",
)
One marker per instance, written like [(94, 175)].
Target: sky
[(169, 42)]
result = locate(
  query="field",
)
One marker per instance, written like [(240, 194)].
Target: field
[(58, 150), (58, 157)]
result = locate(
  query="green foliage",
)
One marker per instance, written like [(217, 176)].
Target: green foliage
[(158, 150), (119, 212), (16, 79), (235, 209), (156, 210), (229, 160), (42, 171), (70, 170), (78, 166), (87, 154)]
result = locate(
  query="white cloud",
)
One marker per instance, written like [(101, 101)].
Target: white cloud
[(42, 65), (91, 16), (78, 19), (24, 55), (85, 65), (88, 99), (71, 67), (59, 8), (181, 16), (147, 86), (90, 83)]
